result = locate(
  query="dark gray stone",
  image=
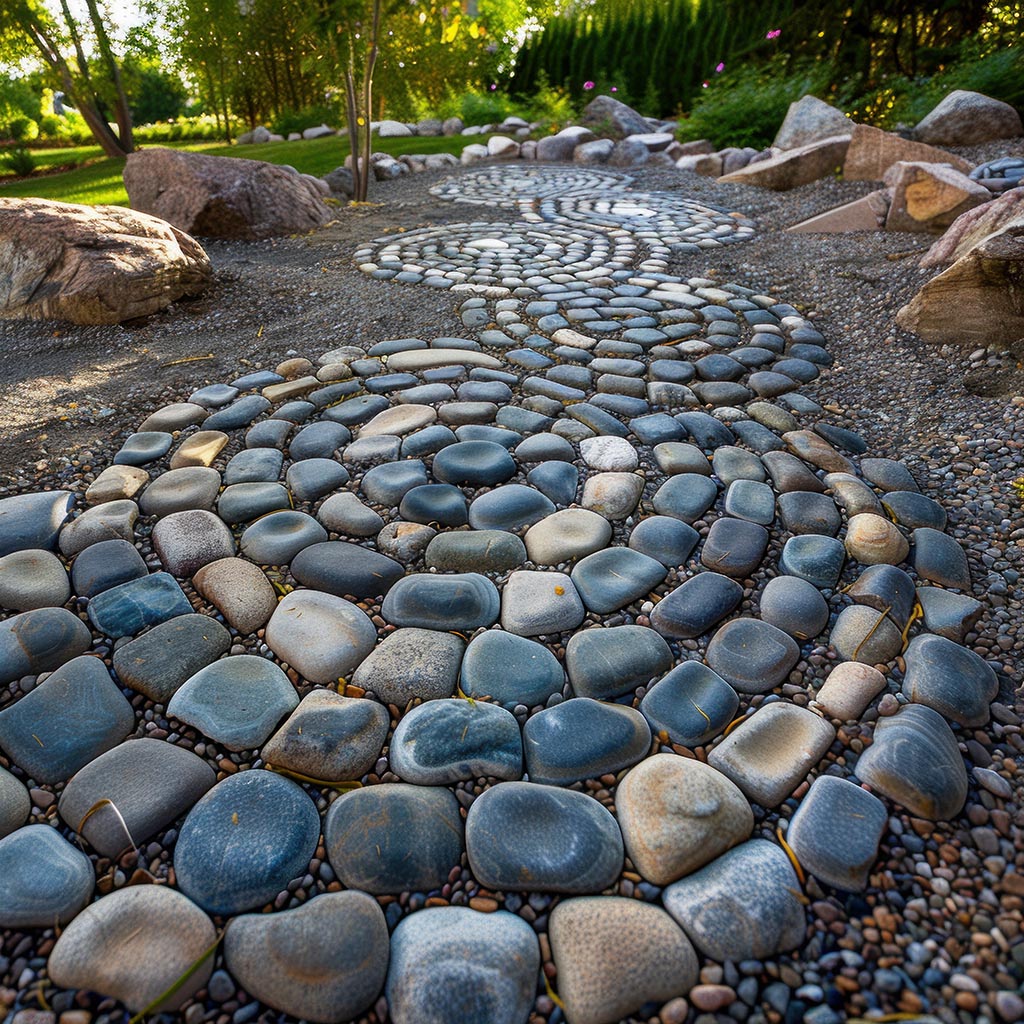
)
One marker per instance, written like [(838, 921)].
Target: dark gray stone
[(313, 478), (388, 484), (669, 540), (254, 465), (696, 605), (244, 841), (948, 614), (440, 504), (107, 564), (276, 539), (915, 761), (691, 704), (605, 662), (395, 838), (129, 608), (940, 559), (751, 655), (816, 559), (158, 662), (742, 906), (685, 496), (242, 503), (809, 512), (888, 589), (475, 551), (144, 447), (238, 414), (735, 547), (836, 831), (512, 507), (583, 739), (149, 783), (447, 741), (751, 500), (913, 510), (344, 569), (474, 464), (39, 641), (72, 717), (525, 837), (44, 880), (460, 601), (510, 670), (795, 607), (615, 577), (556, 480), (31, 521), (953, 680), (236, 701)]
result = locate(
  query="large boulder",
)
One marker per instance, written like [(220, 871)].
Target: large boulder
[(974, 225), (794, 167), (964, 118), (810, 120), (873, 151), (222, 197), (929, 197), (562, 145), (979, 300), (92, 264), (611, 117)]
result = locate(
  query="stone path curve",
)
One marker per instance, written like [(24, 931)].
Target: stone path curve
[(426, 665)]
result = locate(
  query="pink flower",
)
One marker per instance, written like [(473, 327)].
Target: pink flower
[(615, 88), (588, 85), (704, 84), (774, 33), (493, 86), (720, 67)]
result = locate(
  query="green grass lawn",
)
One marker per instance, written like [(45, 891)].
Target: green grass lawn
[(98, 180)]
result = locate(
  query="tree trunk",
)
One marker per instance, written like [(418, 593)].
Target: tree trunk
[(353, 130), (121, 110)]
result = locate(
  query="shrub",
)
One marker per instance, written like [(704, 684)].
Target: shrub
[(307, 117), (19, 160), (746, 107), (550, 104), (22, 128)]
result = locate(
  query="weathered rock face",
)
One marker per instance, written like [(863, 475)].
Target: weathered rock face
[(608, 112), (92, 264), (795, 167), (810, 120), (872, 152), (865, 214), (964, 118), (929, 197), (974, 225), (222, 197), (985, 288)]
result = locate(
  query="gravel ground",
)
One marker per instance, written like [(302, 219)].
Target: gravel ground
[(940, 929)]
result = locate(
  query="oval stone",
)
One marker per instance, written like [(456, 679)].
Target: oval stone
[(609, 661), (611, 579), (394, 838), (474, 464), (524, 837), (566, 535), (437, 504), (39, 641), (30, 521), (583, 739), (346, 570), (751, 655), (696, 605), (44, 880), (412, 664), (952, 679), (510, 669), (510, 508), (460, 601), (446, 741), (277, 538), (244, 841), (685, 496), (915, 761), (236, 701), (734, 547), (795, 607), (670, 541), (475, 551)]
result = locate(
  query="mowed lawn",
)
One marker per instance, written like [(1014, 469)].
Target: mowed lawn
[(98, 179)]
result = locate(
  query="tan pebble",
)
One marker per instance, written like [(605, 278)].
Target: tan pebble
[(872, 540), (674, 1011), (333, 372), (296, 367), (484, 904), (849, 689), (200, 449), (711, 997)]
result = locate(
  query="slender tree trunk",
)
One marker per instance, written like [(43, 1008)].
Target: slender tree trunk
[(371, 63), (121, 111), (353, 130)]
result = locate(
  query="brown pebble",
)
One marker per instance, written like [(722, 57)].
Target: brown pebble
[(711, 997), (484, 904), (675, 1011)]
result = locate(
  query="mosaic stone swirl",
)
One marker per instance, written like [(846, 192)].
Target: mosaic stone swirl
[(398, 660)]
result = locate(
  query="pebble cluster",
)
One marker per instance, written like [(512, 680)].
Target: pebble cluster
[(450, 675)]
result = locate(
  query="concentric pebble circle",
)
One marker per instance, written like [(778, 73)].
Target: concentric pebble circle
[(510, 187), (661, 702)]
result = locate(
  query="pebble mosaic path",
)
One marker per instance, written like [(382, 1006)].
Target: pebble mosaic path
[(498, 678)]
